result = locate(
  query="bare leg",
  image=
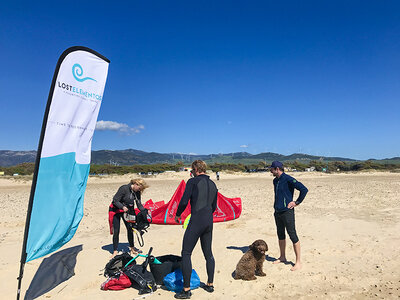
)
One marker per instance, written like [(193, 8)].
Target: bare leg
[(282, 248), (297, 265)]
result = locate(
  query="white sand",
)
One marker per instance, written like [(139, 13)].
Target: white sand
[(348, 225)]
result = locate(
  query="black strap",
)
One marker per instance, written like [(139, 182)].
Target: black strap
[(147, 261), (139, 234)]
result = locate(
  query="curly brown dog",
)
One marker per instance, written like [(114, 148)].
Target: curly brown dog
[(251, 263)]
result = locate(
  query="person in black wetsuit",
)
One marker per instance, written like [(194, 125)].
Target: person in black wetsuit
[(284, 186), (124, 200), (202, 193)]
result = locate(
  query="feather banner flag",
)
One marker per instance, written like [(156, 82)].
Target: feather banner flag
[(63, 160)]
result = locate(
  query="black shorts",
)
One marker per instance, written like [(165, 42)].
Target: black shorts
[(286, 220)]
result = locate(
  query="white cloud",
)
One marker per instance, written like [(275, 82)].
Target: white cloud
[(120, 127), (244, 146)]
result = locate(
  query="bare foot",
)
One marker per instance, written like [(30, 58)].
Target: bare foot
[(135, 251), (297, 266), (279, 260), (115, 253)]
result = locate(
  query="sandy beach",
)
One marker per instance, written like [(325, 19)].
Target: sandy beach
[(348, 225)]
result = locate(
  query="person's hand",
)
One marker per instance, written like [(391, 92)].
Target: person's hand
[(177, 219), (125, 209), (291, 205)]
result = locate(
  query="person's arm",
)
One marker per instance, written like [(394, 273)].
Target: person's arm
[(139, 203), (185, 198), (301, 188), (118, 197), (214, 204)]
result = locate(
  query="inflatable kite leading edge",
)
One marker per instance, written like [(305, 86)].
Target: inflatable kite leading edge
[(164, 213)]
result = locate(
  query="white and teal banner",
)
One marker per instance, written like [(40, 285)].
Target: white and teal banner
[(63, 162)]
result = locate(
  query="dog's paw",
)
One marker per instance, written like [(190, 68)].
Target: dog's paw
[(261, 274), (250, 278)]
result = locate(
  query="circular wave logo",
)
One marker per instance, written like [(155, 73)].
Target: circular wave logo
[(77, 71)]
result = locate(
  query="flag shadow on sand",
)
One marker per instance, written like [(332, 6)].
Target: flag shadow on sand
[(52, 271)]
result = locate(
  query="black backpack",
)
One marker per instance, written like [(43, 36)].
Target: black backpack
[(140, 278), (116, 264), (140, 220), (142, 223)]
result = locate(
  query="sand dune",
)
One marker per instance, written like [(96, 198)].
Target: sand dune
[(348, 225)]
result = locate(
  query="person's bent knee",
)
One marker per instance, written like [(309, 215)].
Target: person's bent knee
[(281, 235), (116, 230), (294, 238), (209, 257)]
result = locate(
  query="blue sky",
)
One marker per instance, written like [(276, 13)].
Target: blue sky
[(316, 77)]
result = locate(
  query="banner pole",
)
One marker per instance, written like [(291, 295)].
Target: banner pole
[(33, 187)]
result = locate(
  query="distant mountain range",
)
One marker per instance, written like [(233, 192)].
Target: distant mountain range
[(12, 158), (137, 157)]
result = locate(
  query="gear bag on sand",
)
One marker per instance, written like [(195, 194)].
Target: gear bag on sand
[(119, 268), (116, 264), (174, 281), (116, 283)]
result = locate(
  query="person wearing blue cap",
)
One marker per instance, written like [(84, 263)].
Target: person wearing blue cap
[(284, 205)]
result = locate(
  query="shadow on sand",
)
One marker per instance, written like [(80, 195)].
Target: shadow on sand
[(245, 248), (124, 247), (53, 270)]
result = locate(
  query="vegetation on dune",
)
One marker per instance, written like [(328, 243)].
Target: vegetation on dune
[(21, 169), (333, 166), (156, 168)]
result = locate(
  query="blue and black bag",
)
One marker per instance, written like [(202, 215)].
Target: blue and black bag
[(174, 281)]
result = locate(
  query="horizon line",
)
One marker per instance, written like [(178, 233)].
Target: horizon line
[(225, 153)]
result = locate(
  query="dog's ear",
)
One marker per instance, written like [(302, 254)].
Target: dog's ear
[(253, 246)]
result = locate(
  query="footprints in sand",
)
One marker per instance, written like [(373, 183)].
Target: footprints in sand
[(386, 290), (3, 237), (233, 225)]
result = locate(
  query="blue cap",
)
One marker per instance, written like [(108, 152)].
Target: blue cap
[(276, 164)]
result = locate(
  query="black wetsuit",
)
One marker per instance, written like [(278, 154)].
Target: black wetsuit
[(284, 187), (202, 193), (125, 196)]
